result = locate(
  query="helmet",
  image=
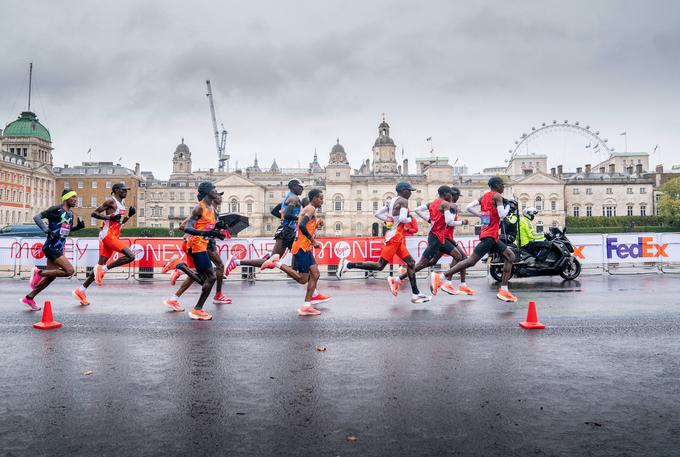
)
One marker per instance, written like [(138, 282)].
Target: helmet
[(530, 212)]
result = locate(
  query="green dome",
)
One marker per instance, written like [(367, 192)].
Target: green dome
[(27, 125)]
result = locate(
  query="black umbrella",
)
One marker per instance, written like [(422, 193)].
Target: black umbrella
[(234, 223)]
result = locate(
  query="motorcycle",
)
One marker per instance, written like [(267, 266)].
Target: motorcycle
[(559, 261)]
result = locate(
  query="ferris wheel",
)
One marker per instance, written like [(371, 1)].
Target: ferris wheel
[(596, 143)]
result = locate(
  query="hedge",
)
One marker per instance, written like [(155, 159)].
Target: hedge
[(133, 232), (619, 221), (638, 228)]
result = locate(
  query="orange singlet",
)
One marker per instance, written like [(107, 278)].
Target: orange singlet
[(206, 222), (301, 241)]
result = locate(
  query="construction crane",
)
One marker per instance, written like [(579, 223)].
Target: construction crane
[(220, 137)]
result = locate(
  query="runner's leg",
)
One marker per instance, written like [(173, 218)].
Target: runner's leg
[(58, 268), (509, 257), (206, 288), (411, 273), (183, 288), (127, 257), (369, 266), (219, 270), (90, 278), (279, 249)]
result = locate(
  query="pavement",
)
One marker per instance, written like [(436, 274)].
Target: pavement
[(456, 376)]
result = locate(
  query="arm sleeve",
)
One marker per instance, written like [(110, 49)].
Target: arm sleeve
[(423, 212), (403, 216), (303, 227), (189, 228), (450, 219), (382, 214), (503, 211), (276, 211), (38, 219), (472, 208)]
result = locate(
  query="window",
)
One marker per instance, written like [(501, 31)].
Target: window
[(553, 205), (359, 206), (523, 203), (67, 185), (609, 211), (156, 211), (538, 202), (643, 190), (469, 193), (80, 201), (171, 211), (358, 191), (181, 211), (172, 196), (93, 202), (233, 205), (589, 211), (94, 183), (249, 207), (375, 206), (337, 174), (629, 190), (108, 184), (609, 191), (181, 196), (338, 226), (577, 211), (268, 227), (141, 212), (575, 191), (81, 185), (589, 191), (359, 228), (337, 203), (629, 210), (93, 221), (643, 210)]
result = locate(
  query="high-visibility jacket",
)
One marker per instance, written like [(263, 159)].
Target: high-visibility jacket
[(527, 233)]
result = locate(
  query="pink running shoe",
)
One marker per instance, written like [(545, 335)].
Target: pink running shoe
[(175, 276), (449, 288), (30, 303), (308, 311), (173, 304), (394, 283), (220, 299), (35, 278), (270, 262), (320, 298)]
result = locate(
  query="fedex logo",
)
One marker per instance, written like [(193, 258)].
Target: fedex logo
[(643, 248)]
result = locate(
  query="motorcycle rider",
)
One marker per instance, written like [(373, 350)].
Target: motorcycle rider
[(530, 240)]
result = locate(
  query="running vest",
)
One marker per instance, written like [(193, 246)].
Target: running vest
[(490, 220), (301, 241), (438, 221), (206, 222), (296, 212), (112, 228), (394, 233)]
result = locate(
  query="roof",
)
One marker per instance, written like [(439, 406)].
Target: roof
[(27, 125)]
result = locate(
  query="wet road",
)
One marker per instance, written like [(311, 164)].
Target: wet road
[(456, 376)]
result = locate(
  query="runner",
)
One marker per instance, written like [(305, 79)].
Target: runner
[(201, 227), (442, 213), (109, 239), (395, 244), (220, 272), (303, 252), (289, 211), (493, 209), (59, 226)]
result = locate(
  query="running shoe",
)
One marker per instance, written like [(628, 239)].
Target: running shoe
[(308, 311), (80, 296), (435, 282), (230, 265), (466, 290), (175, 276), (220, 299), (270, 262), (342, 268), (394, 283), (320, 298), (505, 295), (199, 315), (420, 298), (30, 303), (173, 304), (98, 275), (172, 264), (449, 288), (35, 278)]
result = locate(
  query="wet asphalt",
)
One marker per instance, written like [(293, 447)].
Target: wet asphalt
[(457, 376)]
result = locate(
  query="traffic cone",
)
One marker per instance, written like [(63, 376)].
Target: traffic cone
[(532, 318), (47, 321)]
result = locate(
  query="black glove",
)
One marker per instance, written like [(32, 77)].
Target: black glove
[(79, 226), (131, 211), (115, 217), (214, 234)]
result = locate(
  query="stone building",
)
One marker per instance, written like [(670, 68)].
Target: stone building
[(92, 181), (26, 177)]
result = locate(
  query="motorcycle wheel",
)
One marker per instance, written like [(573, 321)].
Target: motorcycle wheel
[(497, 272), (572, 270)]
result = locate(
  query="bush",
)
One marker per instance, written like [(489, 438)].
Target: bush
[(641, 228), (618, 221), (132, 232)]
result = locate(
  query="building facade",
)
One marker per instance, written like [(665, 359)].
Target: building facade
[(27, 183), (93, 181)]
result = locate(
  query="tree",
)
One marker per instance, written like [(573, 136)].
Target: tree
[(669, 204)]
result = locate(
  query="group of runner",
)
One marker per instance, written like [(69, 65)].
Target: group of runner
[(202, 263)]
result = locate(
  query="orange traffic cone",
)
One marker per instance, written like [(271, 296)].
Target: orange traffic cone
[(532, 318), (47, 321)]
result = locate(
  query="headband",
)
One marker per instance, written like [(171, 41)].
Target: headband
[(68, 195)]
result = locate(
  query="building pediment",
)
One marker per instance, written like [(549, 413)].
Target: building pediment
[(235, 180), (537, 178)]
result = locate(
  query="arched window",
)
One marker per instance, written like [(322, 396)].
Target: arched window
[(538, 203), (553, 205), (338, 203), (233, 205)]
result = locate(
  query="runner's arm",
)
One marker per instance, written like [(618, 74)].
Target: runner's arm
[(382, 214), (450, 219), (403, 217), (276, 211), (291, 204), (503, 210), (472, 208), (195, 216), (423, 212), (96, 214), (303, 227)]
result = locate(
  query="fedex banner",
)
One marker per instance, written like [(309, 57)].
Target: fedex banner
[(155, 252)]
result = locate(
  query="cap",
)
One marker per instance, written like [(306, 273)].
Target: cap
[(444, 190), (292, 183), (403, 185), (119, 185), (455, 190)]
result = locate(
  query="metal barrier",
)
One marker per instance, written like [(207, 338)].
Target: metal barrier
[(671, 244)]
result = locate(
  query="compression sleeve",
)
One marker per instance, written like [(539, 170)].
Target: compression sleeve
[(472, 208), (423, 212), (382, 214), (403, 216), (503, 211), (450, 219), (40, 223), (189, 228), (303, 227), (276, 211)]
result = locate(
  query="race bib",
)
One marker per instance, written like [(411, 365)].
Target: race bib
[(65, 229), (485, 218), (389, 223)]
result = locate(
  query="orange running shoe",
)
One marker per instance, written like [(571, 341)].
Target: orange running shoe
[(308, 311), (173, 304), (435, 282), (505, 295), (98, 275), (270, 262), (80, 295), (175, 276), (172, 264), (394, 283), (466, 290), (320, 298), (402, 270), (449, 288), (199, 315), (220, 299)]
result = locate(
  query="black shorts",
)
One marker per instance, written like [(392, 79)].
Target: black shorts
[(285, 234), (52, 253), (201, 260), (212, 246), (304, 261), (434, 246), (488, 245)]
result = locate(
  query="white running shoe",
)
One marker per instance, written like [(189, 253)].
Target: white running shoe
[(342, 268), (420, 298)]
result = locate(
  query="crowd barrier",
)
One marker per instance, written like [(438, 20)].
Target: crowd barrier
[(610, 253)]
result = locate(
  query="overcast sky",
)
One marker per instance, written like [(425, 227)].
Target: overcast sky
[(127, 78)]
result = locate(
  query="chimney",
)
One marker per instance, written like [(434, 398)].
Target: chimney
[(399, 169), (588, 168), (66, 166), (612, 168), (137, 168), (602, 170), (659, 168), (630, 170), (560, 168), (553, 171), (579, 170), (404, 168), (638, 169)]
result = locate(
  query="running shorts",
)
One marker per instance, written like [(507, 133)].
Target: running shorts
[(285, 234), (189, 259), (212, 246), (304, 261), (108, 245), (489, 245), (52, 253), (434, 246), (394, 248), (201, 261)]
